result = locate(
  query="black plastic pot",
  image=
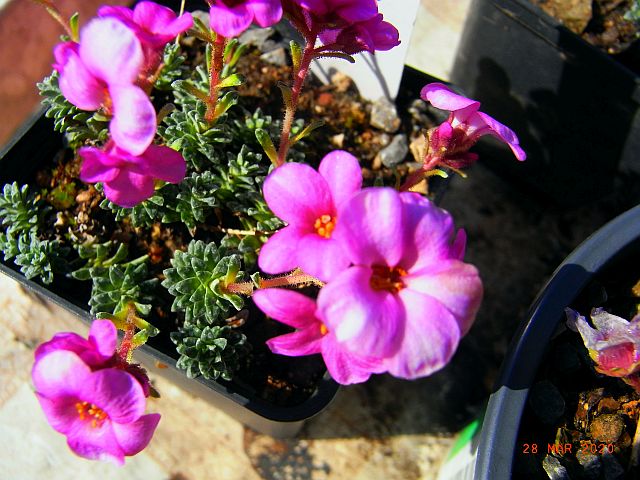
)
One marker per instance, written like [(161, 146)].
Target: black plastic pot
[(34, 145), (574, 108), (610, 245)]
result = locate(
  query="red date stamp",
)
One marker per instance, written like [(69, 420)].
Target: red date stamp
[(565, 448)]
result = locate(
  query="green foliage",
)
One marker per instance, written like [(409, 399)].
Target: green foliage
[(172, 68), (35, 257), (19, 210), (144, 214), (633, 14), (117, 285), (210, 351), (197, 279), (97, 257), (79, 126), (196, 198)]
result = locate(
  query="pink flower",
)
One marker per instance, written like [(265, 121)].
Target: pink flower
[(153, 24), (614, 343), (464, 127), (310, 203), (100, 72), (346, 11), (230, 18), (370, 35), (408, 298), (101, 413), (129, 179), (97, 351), (311, 336)]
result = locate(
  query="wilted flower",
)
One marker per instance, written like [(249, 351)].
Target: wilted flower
[(129, 179), (369, 35), (465, 125), (311, 336), (230, 18), (153, 24), (101, 412), (310, 203), (100, 72), (614, 343), (408, 298)]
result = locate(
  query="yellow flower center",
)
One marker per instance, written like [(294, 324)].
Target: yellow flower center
[(387, 278), (324, 225), (323, 329), (88, 411)]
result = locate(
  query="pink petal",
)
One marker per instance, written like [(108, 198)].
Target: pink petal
[(129, 189), (430, 338), (134, 119), (135, 436), (286, 306), (111, 51), (504, 133), (77, 84), (357, 11), (279, 254), (60, 412), (95, 443), (343, 175), (345, 367), (116, 392), (365, 321), (230, 21), (104, 337), (97, 166), (161, 22), (124, 14), (428, 230), (163, 163), (59, 374), (306, 341), (620, 359), (456, 285), (298, 194), (323, 258), (370, 227), (442, 97), (69, 341), (266, 12)]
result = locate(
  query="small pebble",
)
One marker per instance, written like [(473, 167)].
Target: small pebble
[(394, 153), (385, 116), (341, 81), (611, 467), (276, 57), (590, 463), (257, 37), (606, 428), (555, 470)]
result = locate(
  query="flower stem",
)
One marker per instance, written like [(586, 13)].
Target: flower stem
[(297, 277), (52, 9), (125, 351), (290, 107), (217, 54)]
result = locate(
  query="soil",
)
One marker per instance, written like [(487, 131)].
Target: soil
[(599, 22), (578, 421), (275, 378)]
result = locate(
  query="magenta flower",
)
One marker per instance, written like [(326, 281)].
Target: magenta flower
[(153, 24), (311, 336), (101, 413), (100, 72), (614, 343), (369, 35), (230, 18), (309, 202), (97, 351), (342, 11), (408, 298), (129, 179), (464, 127)]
